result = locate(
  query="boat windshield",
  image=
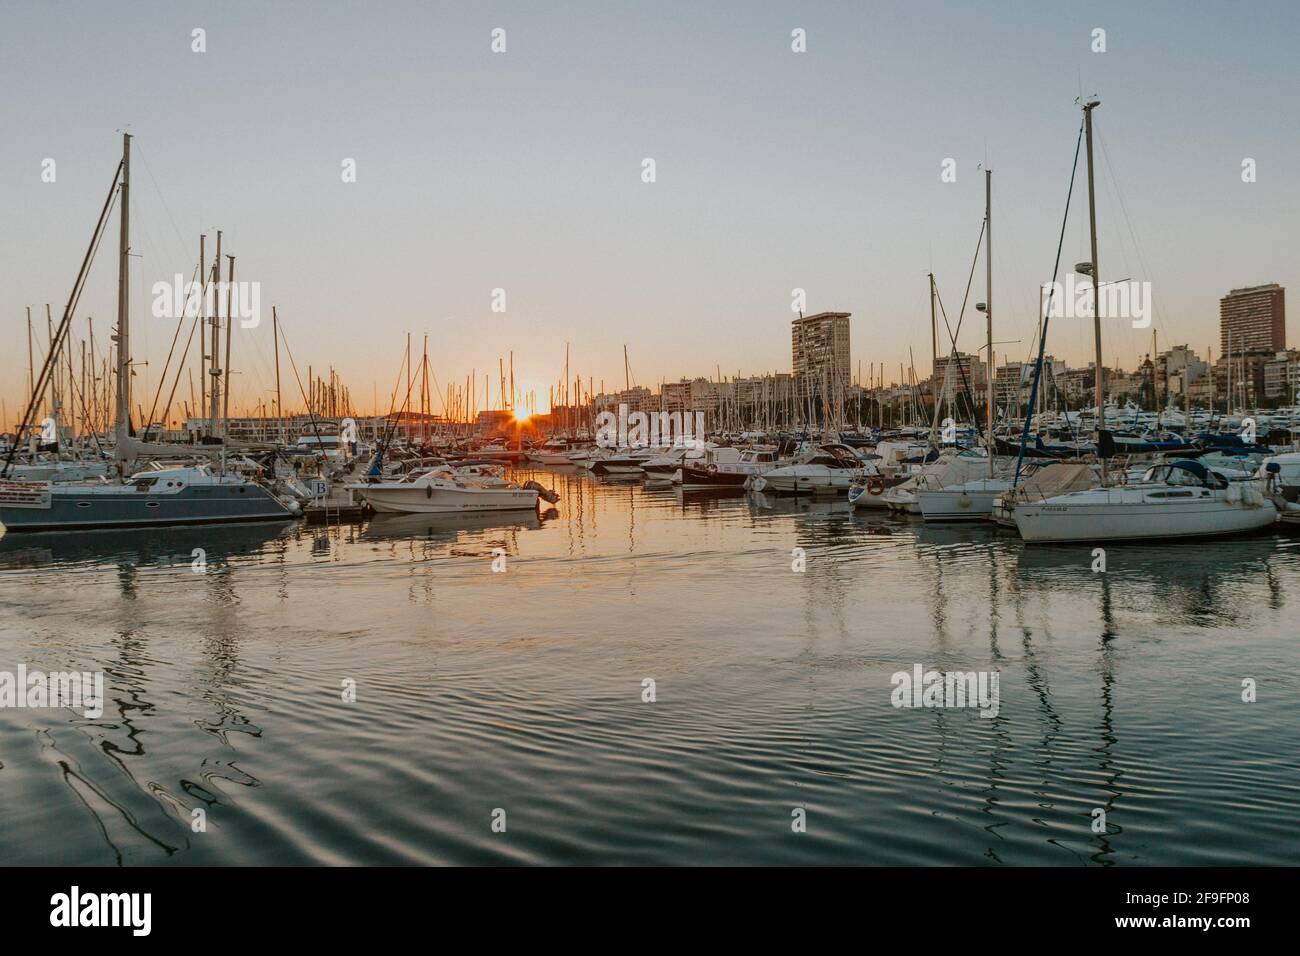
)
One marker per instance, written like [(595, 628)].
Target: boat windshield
[(1187, 474)]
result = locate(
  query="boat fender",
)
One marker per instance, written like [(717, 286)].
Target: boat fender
[(428, 491)]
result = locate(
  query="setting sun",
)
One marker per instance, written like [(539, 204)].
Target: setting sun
[(521, 415)]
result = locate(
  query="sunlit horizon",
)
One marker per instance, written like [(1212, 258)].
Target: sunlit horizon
[(499, 205)]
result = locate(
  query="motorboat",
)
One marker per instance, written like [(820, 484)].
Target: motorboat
[(322, 439), (555, 451), (823, 469), (623, 461), (726, 471), (443, 490), (869, 490), (665, 467), (498, 449)]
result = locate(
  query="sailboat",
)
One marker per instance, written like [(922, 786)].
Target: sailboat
[(191, 494), (1179, 499), (973, 499)]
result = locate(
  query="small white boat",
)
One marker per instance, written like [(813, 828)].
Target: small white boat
[(498, 449), (1179, 499), (664, 467), (623, 461), (441, 490), (554, 452), (825, 469), (323, 439), (950, 468), (966, 501), (723, 468)]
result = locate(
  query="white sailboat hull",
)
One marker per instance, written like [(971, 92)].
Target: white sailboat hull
[(1122, 516)]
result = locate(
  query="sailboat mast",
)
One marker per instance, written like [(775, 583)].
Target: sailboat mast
[(202, 317), (934, 330), (230, 335), (988, 300), (1096, 280), (279, 405), (31, 367), (122, 449), (214, 372)]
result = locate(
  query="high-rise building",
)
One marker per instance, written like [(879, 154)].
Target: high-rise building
[(819, 349), (958, 372), (1253, 320), (1282, 375)]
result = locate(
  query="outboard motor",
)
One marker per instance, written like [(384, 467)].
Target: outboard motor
[(546, 494)]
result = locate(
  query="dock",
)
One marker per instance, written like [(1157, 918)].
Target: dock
[(339, 504)]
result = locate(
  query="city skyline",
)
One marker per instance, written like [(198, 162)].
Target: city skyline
[(776, 171)]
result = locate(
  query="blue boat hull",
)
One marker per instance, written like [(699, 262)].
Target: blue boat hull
[(69, 511)]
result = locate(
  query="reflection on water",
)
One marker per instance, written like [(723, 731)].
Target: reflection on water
[(521, 688)]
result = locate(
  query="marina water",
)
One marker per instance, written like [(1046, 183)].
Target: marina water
[(503, 668)]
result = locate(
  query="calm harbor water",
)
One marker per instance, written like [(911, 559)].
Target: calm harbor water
[(522, 691)]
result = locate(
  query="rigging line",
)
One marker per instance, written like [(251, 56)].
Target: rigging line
[(1128, 221), (970, 396), (965, 389), (1042, 339), (39, 386), (139, 152), (438, 389), (171, 396), (392, 426), (94, 437), (969, 279), (162, 376), (311, 413)]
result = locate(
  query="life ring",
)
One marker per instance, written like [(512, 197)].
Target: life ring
[(875, 485), (711, 468)]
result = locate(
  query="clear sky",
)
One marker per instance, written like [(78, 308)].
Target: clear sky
[(522, 171)]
